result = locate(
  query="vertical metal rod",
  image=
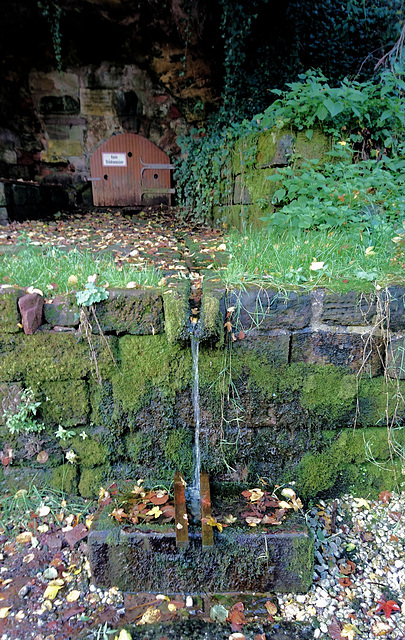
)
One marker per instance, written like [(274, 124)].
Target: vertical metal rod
[(180, 512), (207, 530)]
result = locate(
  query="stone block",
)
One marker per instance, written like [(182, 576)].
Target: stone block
[(62, 311), (352, 351), (395, 357), (177, 312), (274, 345), (394, 298), (211, 325), (9, 314), (350, 308), (243, 562), (31, 307), (133, 311), (261, 310)]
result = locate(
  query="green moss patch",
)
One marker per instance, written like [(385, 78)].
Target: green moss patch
[(66, 402)]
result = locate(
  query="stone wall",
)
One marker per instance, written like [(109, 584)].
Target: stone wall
[(293, 388), (254, 159)]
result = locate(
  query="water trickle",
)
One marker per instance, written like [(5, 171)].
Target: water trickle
[(194, 490)]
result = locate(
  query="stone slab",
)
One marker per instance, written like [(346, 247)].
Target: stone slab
[(280, 561), (274, 345), (62, 311), (261, 310), (97, 102), (133, 311), (351, 308), (352, 351)]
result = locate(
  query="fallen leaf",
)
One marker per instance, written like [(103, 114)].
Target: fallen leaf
[(218, 613), (52, 591), (348, 631), (29, 558), (385, 496), (73, 595), (24, 537), (150, 616), (42, 457), (236, 636), (44, 511), (381, 629), (387, 606), (271, 608), (4, 612), (73, 536)]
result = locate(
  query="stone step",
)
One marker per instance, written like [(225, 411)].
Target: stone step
[(244, 561)]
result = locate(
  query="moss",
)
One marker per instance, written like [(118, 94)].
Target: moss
[(373, 396), (133, 311), (9, 313), (136, 444), (179, 450), (147, 362), (65, 402), (64, 478), (91, 480), (91, 452), (300, 560), (345, 464), (330, 390), (176, 312)]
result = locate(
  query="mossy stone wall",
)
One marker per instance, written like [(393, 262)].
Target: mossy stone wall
[(269, 408), (254, 159)]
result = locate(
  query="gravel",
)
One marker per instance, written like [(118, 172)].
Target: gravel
[(359, 565)]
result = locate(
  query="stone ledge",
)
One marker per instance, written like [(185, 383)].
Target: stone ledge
[(280, 561), (133, 311)]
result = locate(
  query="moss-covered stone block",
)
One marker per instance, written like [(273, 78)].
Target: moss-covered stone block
[(66, 402), (147, 362), (10, 317), (90, 450), (211, 325), (62, 311), (177, 312), (395, 357), (133, 311), (65, 477), (91, 480), (239, 561)]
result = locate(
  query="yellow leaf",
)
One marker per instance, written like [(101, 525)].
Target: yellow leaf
[(124, 635), (369, 251), (72, 280), (361, 502), (348, 631), (150, 616), (221, 247), (24, 537), (4, 612), (155, 511), (73, 595), (43, 511), (285, 505), (289, 493), (52, 591), (172, 607), (255, 495)]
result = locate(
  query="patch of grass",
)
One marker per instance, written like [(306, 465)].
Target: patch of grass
[(341, 259), (51, 267), (17, 509)]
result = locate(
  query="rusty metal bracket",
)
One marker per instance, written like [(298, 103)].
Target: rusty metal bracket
[(180, 512)]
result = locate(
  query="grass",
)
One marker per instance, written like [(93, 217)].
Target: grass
[(17, 508), (49, 269), (348, 259)]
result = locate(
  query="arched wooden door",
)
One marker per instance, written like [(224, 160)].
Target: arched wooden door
[(130, 170)]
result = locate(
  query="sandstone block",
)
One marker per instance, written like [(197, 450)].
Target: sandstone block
[(352, 351), (260, 310), (395, 359), (31, 306), (350, 308), (133, 311), (9, 314), (62, 312)]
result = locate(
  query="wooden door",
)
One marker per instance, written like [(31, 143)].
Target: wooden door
[(130, 170)]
